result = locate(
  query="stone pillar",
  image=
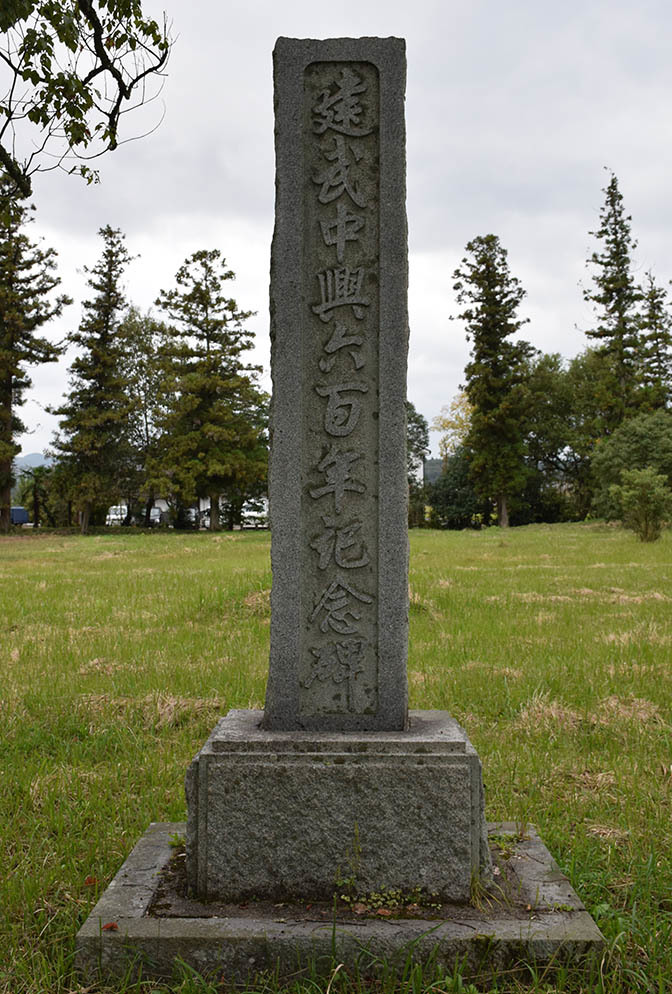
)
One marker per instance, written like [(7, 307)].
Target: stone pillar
[(335, 776), (339, 330)]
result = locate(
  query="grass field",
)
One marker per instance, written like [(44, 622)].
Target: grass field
[(551, 644)]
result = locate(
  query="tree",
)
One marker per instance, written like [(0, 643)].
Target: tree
[(93, 437), (417, 448), (615, 298), (27, 282), (72, 68), (495, 376), (655, 326), (640, 442), (453, 500), (142, 341), (644, 499), (34, 491), (213, 442), (454, 421)]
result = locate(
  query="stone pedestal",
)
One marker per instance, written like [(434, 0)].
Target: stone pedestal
[(280, 815)]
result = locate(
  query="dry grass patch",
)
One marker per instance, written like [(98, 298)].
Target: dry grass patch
[(259, 601), (650, 633), (418, 679), (100, 665), (544, 713), (532, 597), (418, 603), (156, 710), (510, 672), (616, 709), (610, 834)]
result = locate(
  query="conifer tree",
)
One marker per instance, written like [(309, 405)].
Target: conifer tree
[(93, 439), (655, 324), (27, 279), (142, 339), (213, 441), (495, 376), (615, 297)]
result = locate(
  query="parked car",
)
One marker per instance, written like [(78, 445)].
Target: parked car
[(18, 516)]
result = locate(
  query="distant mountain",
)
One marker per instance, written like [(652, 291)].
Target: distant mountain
[(31, 460)]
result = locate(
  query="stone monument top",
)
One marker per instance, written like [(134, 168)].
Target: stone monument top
[(339, 329)]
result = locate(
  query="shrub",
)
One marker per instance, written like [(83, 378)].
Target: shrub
[(645, 501)]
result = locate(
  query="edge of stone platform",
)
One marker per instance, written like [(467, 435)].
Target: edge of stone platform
[(118, 937)]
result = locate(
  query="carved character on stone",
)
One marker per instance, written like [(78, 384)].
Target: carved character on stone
[(341, 288), (342, 413), (337, 543), (335, 180), (343, 228), (341, 111), (336, 466), (338, 662), (336, 610), (340, 339)]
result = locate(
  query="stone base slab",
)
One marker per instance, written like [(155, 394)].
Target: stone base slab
[(281, 815), (531, 916)]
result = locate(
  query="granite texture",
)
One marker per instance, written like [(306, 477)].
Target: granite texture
[(286, 815), (339, 333), (534, 918)]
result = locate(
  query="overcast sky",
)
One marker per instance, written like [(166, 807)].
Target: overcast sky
[(513, 110)]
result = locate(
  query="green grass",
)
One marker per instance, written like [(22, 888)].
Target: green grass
[(551, 644)]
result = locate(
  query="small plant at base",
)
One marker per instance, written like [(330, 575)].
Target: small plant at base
[(505, 842), (348, 884)]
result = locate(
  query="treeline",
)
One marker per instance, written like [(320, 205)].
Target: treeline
[(532, 437), (157, 406)]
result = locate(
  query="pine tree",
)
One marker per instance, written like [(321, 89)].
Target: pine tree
[(142, 339), (615, 298), (495, 376), (655, 325), (27, 281), (93, 438), (213, 441)]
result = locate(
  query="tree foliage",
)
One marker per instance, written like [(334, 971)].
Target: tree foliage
[(644, 501), (655, 326), (93, 439), (34, 492), (454, 421), (27, 282), (495, 376), (615, 297), (213, 442), (640, 442), (142, 342), (71, 68), (452, 497), (417, 449)]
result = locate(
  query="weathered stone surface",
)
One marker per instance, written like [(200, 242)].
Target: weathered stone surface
[(279, 814), (539, 921), (339, 328)]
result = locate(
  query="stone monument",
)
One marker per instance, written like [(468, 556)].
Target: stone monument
[(279, 800), (335, 777)]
